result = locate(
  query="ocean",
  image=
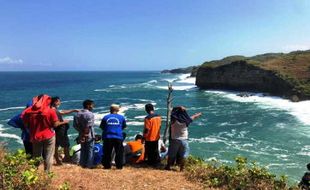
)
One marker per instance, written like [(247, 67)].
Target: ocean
[(271, 131)]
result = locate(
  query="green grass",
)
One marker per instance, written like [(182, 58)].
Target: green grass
[(242, 175)]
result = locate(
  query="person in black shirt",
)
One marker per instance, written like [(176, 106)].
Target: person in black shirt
[(62, 139)]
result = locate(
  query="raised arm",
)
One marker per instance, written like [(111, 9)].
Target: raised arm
[(65, 112), (196, 115)]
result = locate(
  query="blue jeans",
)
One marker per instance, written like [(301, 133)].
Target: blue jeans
[(87, 154), (178, 149)]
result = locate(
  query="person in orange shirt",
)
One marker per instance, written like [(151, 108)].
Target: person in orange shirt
[(136, 154), (151, 134)]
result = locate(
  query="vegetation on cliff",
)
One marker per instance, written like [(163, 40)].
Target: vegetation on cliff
[(242, 175), (19, 172), (291, 70)]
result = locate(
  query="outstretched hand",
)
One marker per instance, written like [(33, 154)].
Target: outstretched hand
[(196, 115)]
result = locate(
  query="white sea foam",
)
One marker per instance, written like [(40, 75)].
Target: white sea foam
[(211, 159), (233, 124), (140, 117), (136, 106), (185, 87), (70, 118), (176, 77), (287, 165), (234, 134), (73, 135), (145, 100), (98, 117), (102, 90), (7, 135), (12, 108), (67, 101), (182, 78), (170, 80), (135, 123), (112, 87), (301, 110), (152, 81), (206, 140), (12, 136), (305, 151), (185, 78), (179, 80), (248, 145)]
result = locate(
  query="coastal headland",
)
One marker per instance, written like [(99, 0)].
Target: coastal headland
[(281, 74)]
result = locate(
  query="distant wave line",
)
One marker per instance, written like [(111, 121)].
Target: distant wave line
[(12, 108)]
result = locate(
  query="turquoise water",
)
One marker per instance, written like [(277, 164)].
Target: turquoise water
[(271, 131)]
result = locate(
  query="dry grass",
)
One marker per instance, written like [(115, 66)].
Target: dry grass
[(128, 178)]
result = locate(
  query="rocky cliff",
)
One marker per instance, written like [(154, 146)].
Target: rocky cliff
[(285, 75)]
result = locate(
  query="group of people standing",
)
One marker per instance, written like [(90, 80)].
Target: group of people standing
[(47, 130)]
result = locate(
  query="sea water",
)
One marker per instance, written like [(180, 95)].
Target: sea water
[(270, 130)]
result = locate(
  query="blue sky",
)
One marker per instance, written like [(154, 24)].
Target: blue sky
[(145, 34)]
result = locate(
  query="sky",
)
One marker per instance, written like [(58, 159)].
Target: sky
[(138, 35)]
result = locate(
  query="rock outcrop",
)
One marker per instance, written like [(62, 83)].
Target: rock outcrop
[(284, 75)]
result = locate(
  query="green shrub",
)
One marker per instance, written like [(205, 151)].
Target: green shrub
[(242, 175), (18, 171), (65, 186)]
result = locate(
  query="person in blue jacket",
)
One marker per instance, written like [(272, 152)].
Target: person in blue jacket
[(112, 126), (17, 122), (98, 150)]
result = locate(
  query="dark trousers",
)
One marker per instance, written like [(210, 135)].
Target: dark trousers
[(108, 145), (28, 147), (151, 152)]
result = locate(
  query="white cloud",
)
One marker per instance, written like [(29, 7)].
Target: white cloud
[(8, 60), (295, 47)]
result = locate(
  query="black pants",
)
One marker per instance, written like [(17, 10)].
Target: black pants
[(108, 146), (151, 152), (28, 147)]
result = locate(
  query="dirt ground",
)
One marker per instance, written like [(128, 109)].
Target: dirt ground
[(127, 178)]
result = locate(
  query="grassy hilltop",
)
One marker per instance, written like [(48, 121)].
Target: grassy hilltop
[(281, 74), (286, 75)]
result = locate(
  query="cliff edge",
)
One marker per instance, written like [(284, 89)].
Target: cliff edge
[(127, 178), (285, 75)]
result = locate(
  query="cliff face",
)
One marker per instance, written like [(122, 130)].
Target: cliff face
[(285, 75), (241, 76)]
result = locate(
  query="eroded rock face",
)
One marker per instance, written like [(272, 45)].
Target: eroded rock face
[(241, 76)]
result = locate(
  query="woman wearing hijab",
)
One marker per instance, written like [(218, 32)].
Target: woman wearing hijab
[(178, 141)]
